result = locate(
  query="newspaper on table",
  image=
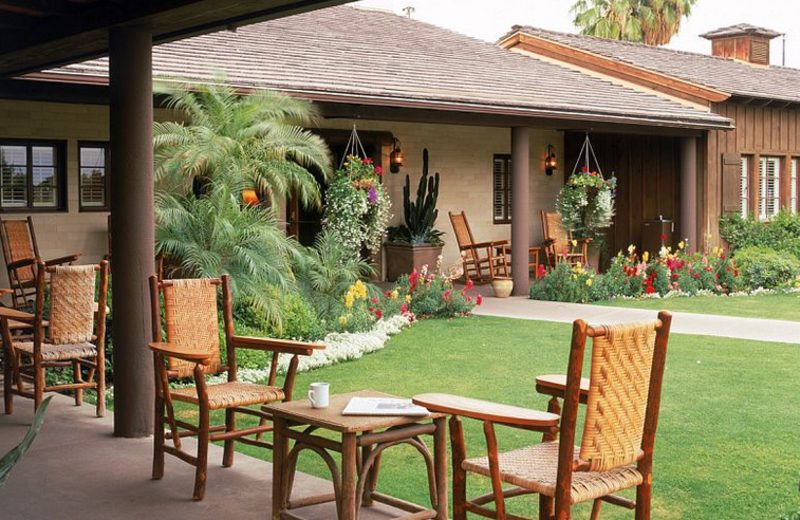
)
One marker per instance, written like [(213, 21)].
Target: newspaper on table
[(383, 406)]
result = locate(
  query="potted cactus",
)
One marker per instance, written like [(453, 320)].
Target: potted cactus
[(416, 242)]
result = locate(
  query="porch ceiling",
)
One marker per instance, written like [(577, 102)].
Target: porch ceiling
[(39, 34)]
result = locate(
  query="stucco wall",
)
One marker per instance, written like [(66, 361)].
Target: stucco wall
[(461, 154)]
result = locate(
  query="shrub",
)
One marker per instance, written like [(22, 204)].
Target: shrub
[(781, 233), (430, 294), (565, 284), (766, 268)]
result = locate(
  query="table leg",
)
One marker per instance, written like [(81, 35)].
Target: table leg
[(347, 498), (366, 499), (279, 476), (440, 466)]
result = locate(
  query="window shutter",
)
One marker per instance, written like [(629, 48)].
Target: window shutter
[(769, 199), (501, 187), (731, 183)]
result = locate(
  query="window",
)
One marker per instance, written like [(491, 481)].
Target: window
[(769, 194), (32, 175), (744, 192), (793, 186), (93, 166), (502, 189)]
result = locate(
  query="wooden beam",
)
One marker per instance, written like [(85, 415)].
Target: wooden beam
[(40, 8), (16, 20)]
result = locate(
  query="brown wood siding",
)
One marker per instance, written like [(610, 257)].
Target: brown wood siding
[(759, 131), (648, 179)]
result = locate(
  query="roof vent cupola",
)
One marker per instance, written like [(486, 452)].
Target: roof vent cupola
[(743, 42)]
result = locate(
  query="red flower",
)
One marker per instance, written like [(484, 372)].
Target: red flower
[(388, 294), (469, 285), (649, 289), (446, 295), (735, 273), (696, 276), (469, 298), (374, 300), (404, 308), (414, 276), (379, 314), (542, 271), (663, 236), (478, 300), (367, 161), (379, 170)]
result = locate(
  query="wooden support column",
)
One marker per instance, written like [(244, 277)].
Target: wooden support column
[(520, 209), (688, 202), (132, 219)]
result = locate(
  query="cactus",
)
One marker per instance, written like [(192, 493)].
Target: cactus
[(420, 215)]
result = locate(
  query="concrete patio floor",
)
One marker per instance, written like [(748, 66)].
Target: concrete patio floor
[(76, 469)]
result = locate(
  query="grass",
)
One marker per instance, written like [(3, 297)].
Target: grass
[(726, 445), (769, 306)]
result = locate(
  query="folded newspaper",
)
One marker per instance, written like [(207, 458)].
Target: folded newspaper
[(383, 406)]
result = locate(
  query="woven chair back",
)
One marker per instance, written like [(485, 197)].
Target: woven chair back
[(190, 310), (72, 304), (622, 361), (554, 230), (461, 230), (20, 247)]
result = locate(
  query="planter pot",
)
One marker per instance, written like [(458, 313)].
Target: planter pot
[(404, 258), (502, 287)]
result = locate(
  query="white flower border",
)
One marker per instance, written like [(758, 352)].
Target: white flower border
[(704, 292)]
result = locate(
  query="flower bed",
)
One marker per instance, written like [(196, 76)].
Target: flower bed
[(670, 273)]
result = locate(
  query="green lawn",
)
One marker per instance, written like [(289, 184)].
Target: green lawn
[(727, 441), (770, 306)]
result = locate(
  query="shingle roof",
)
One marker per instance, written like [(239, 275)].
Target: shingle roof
[(349, 51), (727, 75), (740, 30)]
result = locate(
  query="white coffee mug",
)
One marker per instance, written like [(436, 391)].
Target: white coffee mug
[(318, 394)]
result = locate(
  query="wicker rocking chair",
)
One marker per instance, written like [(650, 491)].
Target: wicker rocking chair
[(75, 336), (192, 349), (622, 400), (482, 260), (21, 252), (558, 244)]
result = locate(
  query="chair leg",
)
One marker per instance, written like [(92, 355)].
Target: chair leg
[(158, 439), (643, 497), (230, 425), (101, 388), (8, 399), (459, 473), (76, 378), (545, 507), (596, 505), (202, 454), (38, 385)]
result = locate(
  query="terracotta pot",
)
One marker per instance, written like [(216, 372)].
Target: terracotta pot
[(502, 287), (404, 258)]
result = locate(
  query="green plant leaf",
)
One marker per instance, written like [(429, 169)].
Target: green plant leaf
[(13, 457)]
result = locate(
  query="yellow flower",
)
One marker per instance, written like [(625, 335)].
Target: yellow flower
[(408, 298), (681, 244), (348, 300), (589, 282), (395, 294), (343, 320), (631, 249), (574, 243), (645, 256)]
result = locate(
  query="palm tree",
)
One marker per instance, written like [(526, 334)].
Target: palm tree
[(654, 22), (207, 236), (256, 141)]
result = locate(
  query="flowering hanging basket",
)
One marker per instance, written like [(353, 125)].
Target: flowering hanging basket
[(586, 202)]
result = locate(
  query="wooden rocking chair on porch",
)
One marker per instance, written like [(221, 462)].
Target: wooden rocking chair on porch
[(558, 242), (75, 336), (616, 452), (479, 257), (192, 348), (21, 252)]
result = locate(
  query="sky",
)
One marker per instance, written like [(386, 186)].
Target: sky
[(490, 19)]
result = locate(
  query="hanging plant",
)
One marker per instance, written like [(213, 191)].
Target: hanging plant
[(586, 202), (357, 206)]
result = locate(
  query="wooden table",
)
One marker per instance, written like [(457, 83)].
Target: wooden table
[(356, 485)]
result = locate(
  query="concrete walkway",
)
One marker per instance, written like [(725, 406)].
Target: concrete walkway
[(683, 322), (76, 469)]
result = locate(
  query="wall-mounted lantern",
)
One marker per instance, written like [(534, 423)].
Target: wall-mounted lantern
[(550, 160), (396, 157)]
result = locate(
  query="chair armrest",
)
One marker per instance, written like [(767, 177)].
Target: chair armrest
[(16, 264), (491, 243), (63, 260), (487, 411), (298, 348), (195, 356), (7, 313), (556, 385), (3, 290), (548, 242)]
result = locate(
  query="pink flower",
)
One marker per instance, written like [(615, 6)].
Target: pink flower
[(469, 298), (367, 161), (446, 295), (404, 308), (379, 314), (379, 170), (374, 300), (478, 300), (414, 276), (469, 285)]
